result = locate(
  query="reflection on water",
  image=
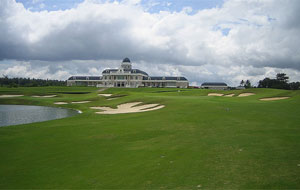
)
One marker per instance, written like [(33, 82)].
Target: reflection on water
[(21, 114)]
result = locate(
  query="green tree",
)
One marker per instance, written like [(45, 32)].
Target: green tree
[(242, 83), (295, 85), (15, 82), (282, 77), (281, 82), (247, 84)]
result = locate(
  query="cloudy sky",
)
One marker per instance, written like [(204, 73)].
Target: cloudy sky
[(203, 40)]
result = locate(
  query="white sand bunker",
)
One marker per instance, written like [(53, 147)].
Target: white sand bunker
[(274, 98), (246, 94), (60, 103), (47, 96), (113, 98), (81, 102), (229, 95), (9, 96), (106, 95), (129, 108), (215, 94)]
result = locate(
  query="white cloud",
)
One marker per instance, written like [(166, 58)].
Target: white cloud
[(25, 70), (131, 2), (263, 36), (42, 5)]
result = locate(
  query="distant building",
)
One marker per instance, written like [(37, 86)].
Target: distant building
[(214, 85), (127, 77), (240, 88)]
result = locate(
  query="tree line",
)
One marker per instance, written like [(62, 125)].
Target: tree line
[(28, 82), (280, 82)]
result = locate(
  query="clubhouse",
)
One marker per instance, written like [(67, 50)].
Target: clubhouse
[(126, 77)]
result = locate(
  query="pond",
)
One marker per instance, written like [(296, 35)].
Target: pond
[(22, 114)]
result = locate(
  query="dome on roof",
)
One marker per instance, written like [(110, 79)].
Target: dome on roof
[(126, 60)]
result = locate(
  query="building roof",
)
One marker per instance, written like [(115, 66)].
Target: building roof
[(164, 78), (126, 60), (213, 84), (85, 78), (130, 70), (138, 71), (109, 70)]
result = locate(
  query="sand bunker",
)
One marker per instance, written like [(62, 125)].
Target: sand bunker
[(60, 103), (274, 98), (229, 95), (112, 98), (47, 96), (246, 94), (215, 94), (106, 95), (129, 108), (9, 96), (81, 102)]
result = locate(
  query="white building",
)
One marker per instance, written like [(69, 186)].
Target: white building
[(127, 77)]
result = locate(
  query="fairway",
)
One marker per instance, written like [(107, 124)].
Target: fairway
[(195, 141)]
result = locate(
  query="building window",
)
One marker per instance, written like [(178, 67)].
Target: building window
[(120, 77)]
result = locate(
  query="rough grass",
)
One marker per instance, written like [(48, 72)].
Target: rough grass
[(214, 142)]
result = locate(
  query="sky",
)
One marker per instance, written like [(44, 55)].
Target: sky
[(203, 40)]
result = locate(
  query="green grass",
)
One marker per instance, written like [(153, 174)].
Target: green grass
[(215, 142)]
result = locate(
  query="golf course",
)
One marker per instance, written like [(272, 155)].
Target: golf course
[(193, 139)]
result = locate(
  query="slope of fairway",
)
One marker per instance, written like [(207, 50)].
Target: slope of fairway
[(194, 141)]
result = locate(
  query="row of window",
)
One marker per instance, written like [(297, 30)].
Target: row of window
[(119, 84), (120, 77)]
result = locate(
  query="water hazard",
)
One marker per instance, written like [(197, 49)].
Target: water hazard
[(22, 114)]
